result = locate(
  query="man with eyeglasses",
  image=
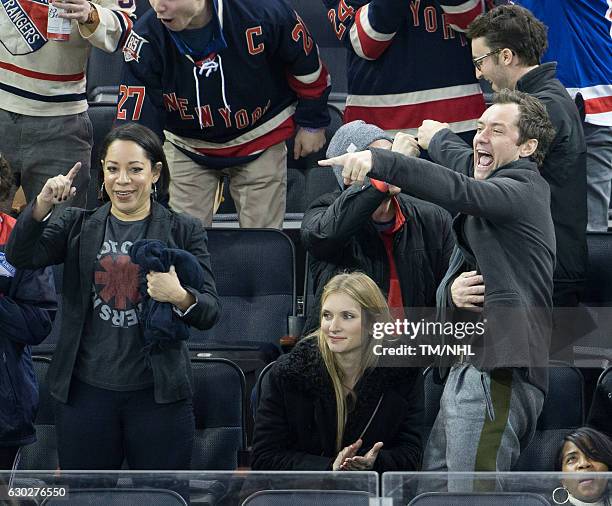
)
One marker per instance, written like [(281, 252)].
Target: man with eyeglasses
[(507, 45)]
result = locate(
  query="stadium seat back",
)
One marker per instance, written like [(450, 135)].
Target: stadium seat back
[(255, 277), (308, 498), (256, 393), (103, 71), (598, 289), (563, 410), (220, 410), (102, 118), (118, 497), (48, 345), (479, 499), (433, 393), (43, 453)]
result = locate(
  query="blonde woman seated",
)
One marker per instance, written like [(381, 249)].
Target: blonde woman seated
[(327, 406)]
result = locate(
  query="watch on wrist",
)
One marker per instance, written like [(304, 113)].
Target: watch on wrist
[(92, 17)]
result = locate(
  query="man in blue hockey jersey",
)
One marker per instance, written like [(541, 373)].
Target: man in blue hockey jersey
[(225, 82)]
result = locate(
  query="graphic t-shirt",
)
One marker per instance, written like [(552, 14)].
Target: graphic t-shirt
[(110, 355)]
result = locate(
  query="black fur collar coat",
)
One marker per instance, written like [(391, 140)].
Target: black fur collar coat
[(295, 427)]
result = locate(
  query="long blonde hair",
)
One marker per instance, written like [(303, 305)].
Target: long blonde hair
[(370, 299)]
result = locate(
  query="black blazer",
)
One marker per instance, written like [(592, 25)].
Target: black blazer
[(74, 238), (504, 228), (295, 426)]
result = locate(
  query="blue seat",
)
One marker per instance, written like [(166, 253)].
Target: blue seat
[(220, 410), (600, 414), (256, 392), (255, 276), (598, 289), (43, 453), (102, 118), (103, 76), (593, 347), (433, 393), (563, 410)]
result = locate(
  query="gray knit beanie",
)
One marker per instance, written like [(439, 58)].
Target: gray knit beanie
[(352, 137)]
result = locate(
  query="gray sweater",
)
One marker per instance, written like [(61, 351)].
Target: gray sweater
[(504, 228)]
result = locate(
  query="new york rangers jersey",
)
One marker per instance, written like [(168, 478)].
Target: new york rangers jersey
[(580, 41), (40, 77), (409, 61), (262, 76)]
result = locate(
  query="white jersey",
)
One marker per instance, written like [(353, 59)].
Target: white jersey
[(40, 77)]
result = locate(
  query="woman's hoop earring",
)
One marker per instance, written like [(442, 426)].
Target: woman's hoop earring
[(101, 192), (554, 495), (154, 191)]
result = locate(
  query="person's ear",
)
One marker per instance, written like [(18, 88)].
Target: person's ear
[(528, 148), (507, 56), (157, 168)]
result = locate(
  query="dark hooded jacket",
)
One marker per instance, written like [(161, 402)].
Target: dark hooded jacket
[(338, 231), (295, 427)]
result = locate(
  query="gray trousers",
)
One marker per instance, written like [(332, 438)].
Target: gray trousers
[(41, 147), (599, 175), (484, 422)]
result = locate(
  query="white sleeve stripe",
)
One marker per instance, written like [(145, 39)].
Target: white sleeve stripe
[(356, 43), (590, 92), (310, 78), (367, 27), (460, 9)]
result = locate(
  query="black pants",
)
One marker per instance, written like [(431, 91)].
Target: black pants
[(7, 457), (98, 428)]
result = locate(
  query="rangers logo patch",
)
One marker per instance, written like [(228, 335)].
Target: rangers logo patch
[(23, 25), (132, 47), (6, 269)]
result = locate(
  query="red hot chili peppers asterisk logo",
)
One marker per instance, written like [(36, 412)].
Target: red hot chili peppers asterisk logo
[(120, 280)]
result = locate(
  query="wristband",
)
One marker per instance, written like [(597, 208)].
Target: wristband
[(310, 129)]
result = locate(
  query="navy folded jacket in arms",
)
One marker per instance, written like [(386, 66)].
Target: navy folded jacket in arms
[(159, 321)]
